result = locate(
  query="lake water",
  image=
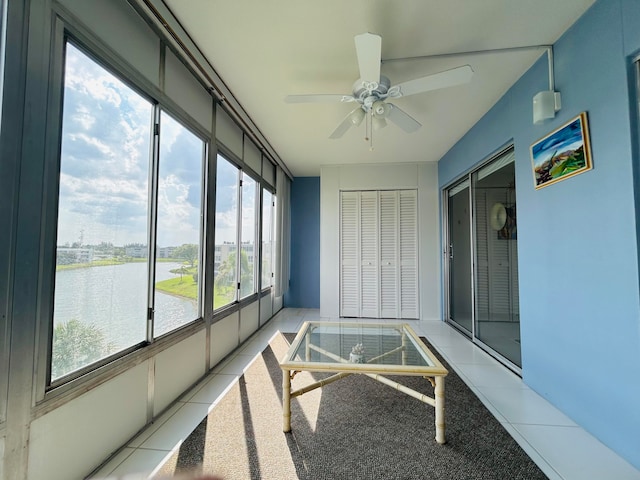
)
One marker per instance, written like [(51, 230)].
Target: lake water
[(115, 299)]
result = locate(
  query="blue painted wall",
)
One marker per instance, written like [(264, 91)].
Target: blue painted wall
[(577, 239), (304, 283)]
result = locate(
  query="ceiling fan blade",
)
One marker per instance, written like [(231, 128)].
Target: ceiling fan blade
[(345, 124), (322, 98), (448, 78), (368, 47), (402, 119)]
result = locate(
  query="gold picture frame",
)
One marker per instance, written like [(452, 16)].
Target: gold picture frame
[(563, 153)]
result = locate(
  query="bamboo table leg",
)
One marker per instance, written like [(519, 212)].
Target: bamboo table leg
[(404, 348), (439, 398), (286, 400)]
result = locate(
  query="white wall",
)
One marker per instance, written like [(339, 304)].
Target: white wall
[(177, 368), (424, 178), (224, 337), (249, 320), (266, 308), (73, 439)]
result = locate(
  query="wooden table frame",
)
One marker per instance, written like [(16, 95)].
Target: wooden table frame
[(435, 373)]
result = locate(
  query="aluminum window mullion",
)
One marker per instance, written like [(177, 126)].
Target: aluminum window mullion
[(257, 227), (54, 122), (239, 235), (259, 237), (209, 219), (474, 251), (153, 219), (202, 255)]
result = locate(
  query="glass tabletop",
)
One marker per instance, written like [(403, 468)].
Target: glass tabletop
[(332, 345)]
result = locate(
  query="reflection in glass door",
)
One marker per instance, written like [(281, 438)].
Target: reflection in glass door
[(496, 281), (483, 261), (459, 252)]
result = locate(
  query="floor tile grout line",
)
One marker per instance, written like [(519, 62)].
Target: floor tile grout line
[(532, 448), (285, 324), (155, 449), (150, 430), (115, 467)]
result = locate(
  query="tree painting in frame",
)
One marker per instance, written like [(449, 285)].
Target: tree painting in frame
[(563, 153)]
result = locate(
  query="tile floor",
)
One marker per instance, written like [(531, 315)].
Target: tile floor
[(562, 449)]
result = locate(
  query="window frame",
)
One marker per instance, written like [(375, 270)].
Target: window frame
[(50, 395), (49, 392), (256, 218), (69, 40), (232, 160), (222, 311), (266, 187), (152, 236), (5, 331)]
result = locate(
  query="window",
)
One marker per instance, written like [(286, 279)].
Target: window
[(235, 234), (130, 218), (248, 236), (101, 279), (267, 239), (177, 267), (226, 232), (105, 224)]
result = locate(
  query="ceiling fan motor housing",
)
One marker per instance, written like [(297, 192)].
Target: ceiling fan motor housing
[(363, 89)]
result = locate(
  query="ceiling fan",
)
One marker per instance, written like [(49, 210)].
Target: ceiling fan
[(372, 90)]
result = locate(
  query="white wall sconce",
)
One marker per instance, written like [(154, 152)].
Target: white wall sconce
[(546, 103)]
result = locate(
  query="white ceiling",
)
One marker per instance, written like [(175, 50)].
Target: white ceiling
[(265, 50)]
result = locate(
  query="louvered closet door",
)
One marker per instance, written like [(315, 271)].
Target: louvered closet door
[(349, 254), (389, 239), (369, 254), (378, 254), (408, 254)]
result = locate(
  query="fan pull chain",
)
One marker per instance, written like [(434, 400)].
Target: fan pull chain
[(366, 127), (371, 132)]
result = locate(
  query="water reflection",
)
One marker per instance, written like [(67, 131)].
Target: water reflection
[(114, 298)]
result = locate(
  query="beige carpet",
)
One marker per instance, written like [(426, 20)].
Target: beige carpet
[(355, 428)]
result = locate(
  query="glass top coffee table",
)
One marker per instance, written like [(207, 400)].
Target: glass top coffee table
[(371, 349)]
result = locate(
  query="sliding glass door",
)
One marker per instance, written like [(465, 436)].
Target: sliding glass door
[(459, 252), (483, 258), (497, 321)]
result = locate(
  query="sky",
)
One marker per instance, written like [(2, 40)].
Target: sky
[(105, 163)]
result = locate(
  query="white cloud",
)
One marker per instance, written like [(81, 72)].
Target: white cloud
[(178, 220)]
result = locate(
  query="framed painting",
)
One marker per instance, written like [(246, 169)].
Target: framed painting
[(563, 153)]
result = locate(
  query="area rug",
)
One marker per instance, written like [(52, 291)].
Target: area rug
[(353, 429)]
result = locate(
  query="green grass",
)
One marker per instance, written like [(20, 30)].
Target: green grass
[(95, 263), (187, 288), (182, 287), (222, 297)]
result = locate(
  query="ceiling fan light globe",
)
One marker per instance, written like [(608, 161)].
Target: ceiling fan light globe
[(378, 122), (380, 109)]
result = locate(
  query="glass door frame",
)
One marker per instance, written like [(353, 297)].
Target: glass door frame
[(447, 254), (468, 177)]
